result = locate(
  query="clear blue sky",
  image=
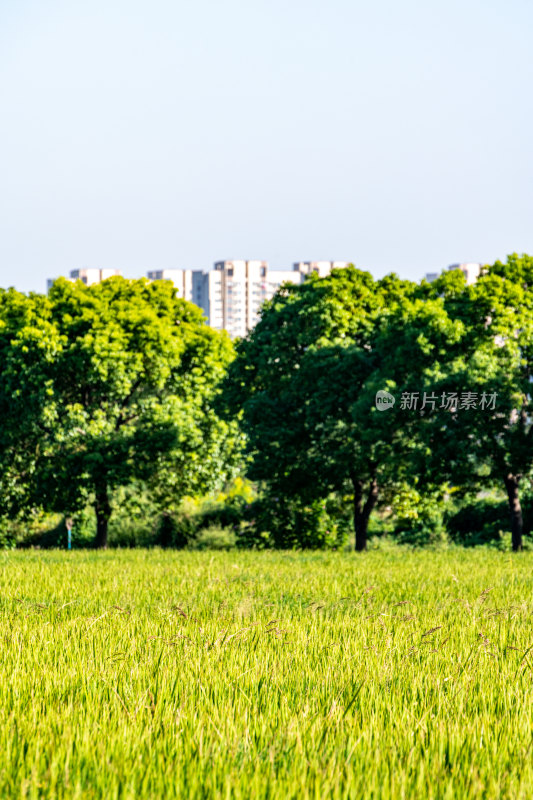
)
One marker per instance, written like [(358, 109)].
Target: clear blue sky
[(144, 135)]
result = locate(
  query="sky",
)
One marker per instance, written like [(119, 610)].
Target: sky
[(170, 134)]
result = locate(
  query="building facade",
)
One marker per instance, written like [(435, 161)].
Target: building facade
[(181, 278), (88, 276), (321, 268), (471, 271), (231, 295), (208, 294)]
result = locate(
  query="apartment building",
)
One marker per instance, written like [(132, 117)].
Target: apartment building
[(240, 289), (245, 285), (208, 295), (278, 276), (181, 278), (322, 268), (299, 271), (88, 276), (231, 294), (471, 271)]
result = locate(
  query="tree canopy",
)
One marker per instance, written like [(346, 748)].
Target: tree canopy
[(123, 382), (306, 378), (492, 441), (104, 385)]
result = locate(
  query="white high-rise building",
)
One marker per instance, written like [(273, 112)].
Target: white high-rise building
[(299, 271), (108, 273), (278, 276), (208, 294), (181, 278), (88, 275), (322, 268), (243, 289), (232, 294), (471, 270)]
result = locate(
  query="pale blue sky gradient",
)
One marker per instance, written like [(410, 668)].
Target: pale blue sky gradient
[(145, 135)]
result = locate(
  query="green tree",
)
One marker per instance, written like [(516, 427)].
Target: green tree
[(492, 443), (28, 344), (125, 374), (306, 379)]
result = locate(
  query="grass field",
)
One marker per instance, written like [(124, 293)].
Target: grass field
[(151, 674)]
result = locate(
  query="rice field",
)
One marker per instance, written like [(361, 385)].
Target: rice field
[(153, 674)]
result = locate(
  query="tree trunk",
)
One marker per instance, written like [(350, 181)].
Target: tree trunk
[(102, 509), (362, 511), (517, 522)]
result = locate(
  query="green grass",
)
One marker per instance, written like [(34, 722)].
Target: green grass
[(150, 674)]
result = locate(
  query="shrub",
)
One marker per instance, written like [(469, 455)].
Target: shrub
[(125, 532), (484, 520), (7, 535), (48, 531), (214, 537), (175, 530), (419, 518), (287, 523), (479, 521)]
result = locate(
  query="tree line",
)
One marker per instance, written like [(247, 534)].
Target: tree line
[(347, 391)]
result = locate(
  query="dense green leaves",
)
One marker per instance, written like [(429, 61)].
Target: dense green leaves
[(307, 376), (306, 379), (118, 383), (493, 443), (104, 385)]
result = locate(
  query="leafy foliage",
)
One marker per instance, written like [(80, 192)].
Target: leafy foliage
[(119, 396), (110, 384)]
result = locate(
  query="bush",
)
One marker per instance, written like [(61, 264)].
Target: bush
[(214, 538), (130, 533), (175, 530), (136, 520), (226, 511), (48, 531), (485, 520), (287, 523), (419, 518), (479, 521), (7, 535)]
